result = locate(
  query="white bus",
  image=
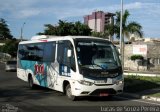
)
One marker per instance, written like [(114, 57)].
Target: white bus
[(75, 65)]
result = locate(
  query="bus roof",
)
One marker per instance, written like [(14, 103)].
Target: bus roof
[(47, 38)]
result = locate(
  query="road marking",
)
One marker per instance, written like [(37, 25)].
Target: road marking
[(138, 100)]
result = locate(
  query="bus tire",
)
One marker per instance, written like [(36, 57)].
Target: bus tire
[(69, 93), (30, 82)]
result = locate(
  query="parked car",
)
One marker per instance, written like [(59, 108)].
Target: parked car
[(11, 65)]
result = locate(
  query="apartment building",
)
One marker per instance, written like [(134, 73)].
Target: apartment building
[(97, 20)]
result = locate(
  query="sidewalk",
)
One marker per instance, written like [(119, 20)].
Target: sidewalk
[(147, 95), (142, 73)]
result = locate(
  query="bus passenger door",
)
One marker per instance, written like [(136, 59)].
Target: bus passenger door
[(49, 60), (65, 58)]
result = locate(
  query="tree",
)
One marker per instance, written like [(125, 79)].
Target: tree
[(100, 34), (66, 28), (128, 28), (4, 30), (10, 47), (109, 31)]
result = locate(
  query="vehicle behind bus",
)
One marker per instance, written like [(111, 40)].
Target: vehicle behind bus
[(75, 65)]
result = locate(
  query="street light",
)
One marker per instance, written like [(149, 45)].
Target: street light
[(121, 37), (22, 31)]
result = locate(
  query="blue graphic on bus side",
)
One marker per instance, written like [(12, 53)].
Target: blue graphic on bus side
[(39, 69)]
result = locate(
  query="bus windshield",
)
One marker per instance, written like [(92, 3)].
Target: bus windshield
[(97, 54)]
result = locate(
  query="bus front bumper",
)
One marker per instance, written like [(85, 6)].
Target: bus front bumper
[(97, 90)]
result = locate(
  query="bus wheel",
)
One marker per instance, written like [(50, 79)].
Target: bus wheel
[(69, 93), (30, 82)]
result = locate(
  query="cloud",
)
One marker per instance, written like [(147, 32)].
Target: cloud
[(12, 5), (151, 9), (146, 8), (70, 1), (26, 13), (73, 12), (63, 9), (146, 12), (135, 5), (18, 8)]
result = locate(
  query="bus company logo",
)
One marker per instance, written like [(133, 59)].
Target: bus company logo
[(104, 73), (39, 69)]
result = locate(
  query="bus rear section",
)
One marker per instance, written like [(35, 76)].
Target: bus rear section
[(77, 66)]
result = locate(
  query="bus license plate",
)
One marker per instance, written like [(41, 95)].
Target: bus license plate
[(103, 94), (100, 81)]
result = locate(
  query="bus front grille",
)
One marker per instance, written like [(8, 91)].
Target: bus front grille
[(109, 91)]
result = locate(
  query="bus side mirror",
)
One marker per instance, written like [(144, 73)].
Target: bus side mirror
[(69, 53)]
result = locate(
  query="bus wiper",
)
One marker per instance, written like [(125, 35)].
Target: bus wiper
[(110, 62), (98, 66)]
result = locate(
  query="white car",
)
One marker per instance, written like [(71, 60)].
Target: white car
[(11, 66)]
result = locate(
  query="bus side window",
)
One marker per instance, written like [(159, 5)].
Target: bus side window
[(22, 52), (62, 57), (32, 52), (49, 52), (35, 52)]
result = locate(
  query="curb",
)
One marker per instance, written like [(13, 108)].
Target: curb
[(131, 95), (142, 74), (142, 97), (151, 98)]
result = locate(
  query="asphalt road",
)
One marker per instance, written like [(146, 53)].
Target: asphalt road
[(16, 95)]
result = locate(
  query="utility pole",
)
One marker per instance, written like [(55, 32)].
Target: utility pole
[(21, 38), (121, 37), (95, 27)]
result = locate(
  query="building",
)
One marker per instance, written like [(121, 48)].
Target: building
[(149, 49), (97, 20)]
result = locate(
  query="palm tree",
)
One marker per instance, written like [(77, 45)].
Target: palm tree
[(109, 31), (128, 28)]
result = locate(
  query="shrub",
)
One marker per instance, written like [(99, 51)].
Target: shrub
[(134, 57)]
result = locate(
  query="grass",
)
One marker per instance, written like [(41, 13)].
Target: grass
[(134, 84), (155, 95)]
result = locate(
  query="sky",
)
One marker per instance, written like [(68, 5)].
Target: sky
[(36, 13)]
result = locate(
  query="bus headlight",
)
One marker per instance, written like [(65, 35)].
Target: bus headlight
[(114, 74), (118, 82), (87, 83)]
